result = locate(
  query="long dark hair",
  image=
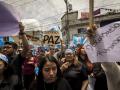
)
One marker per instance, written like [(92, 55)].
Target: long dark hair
[(40, 79)]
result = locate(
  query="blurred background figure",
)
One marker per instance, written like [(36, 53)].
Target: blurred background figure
[(28, 67), (8, 81)]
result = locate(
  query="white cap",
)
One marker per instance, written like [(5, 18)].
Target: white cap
[(3, 58)]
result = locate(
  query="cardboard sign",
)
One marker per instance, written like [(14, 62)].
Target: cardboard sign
[(51, 38), (107, 44)]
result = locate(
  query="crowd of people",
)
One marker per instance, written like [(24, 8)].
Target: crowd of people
[(54, 69)]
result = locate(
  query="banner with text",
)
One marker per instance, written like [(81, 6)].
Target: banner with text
[(51, 37), (107, 44)]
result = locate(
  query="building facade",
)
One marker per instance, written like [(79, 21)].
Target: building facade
[(78, 26)]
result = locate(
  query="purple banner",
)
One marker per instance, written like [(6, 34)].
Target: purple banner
[(9, 19)]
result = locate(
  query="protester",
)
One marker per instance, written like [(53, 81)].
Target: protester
[(28, 67), (16, 60), (51, 51), (72, 71), (10, 49), (41, 52), (96, 75), (112, 69), (49, 76), (8, 80), (83, 58)]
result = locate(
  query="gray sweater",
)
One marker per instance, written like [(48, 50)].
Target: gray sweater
[(112, 71)]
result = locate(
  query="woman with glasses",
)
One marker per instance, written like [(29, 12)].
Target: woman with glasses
[(72, 71)]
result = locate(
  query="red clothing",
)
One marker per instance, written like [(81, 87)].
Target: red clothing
[(29, 66)]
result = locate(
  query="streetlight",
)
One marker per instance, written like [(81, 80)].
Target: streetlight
[(67, 22)]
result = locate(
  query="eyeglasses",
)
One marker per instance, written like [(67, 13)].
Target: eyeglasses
[(68, 54)]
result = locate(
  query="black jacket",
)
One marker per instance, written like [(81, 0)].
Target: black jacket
[(60, 84)]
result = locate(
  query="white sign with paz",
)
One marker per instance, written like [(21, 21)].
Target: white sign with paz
[(51, 38), (107, 44)]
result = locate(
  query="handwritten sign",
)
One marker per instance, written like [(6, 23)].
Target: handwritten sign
[(107, 44), (51, 38), (8, 20)]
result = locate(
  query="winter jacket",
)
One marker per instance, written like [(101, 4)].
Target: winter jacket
[(60, 84)]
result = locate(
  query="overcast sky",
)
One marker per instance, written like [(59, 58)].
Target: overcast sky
[(49, 12)]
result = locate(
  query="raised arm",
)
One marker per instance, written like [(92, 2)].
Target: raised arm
[(24, 40)]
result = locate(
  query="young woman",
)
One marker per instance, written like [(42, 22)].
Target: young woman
[(8, 81), (49, 76)]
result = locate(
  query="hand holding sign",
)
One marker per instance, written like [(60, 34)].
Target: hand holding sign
[(51, 38), (91, 33), (106, 47)]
